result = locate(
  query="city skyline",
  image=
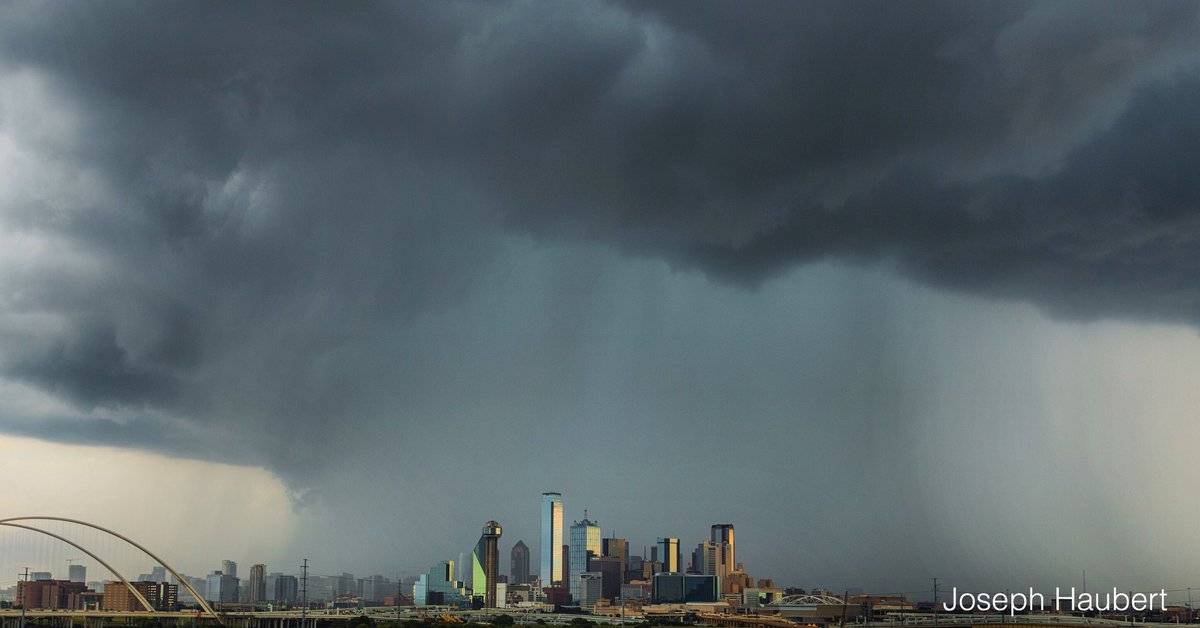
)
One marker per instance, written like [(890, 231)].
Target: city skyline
[(904, 290), (600, 573), (485, 562), (707, 580), (599, 576)]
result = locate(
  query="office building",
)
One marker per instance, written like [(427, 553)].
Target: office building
[(520, 593), (722, 537), (165, 596), (199, 584), (649, 568), (438, 586), (566, 567), (609, 567), (668, 551), (77, 573), (677, 588), (501, 595), (551, 567), (585, 539), (590, 589), (158, 573), (345, 585), (229, 568), (320, 588), (160, 595), (257, 593), (269, 582), (41, 575), (617, 548), (556, 596), (287, 589), (485, 564), (726, 560), (633, 571), (118, 597), (222, 587), (636, 591), (706, 559), (376, 588), (519, 564)]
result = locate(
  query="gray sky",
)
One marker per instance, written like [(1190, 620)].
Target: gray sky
[(902, 290)]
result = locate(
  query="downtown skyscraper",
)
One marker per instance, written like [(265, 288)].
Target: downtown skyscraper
[(258, 584), (585, 542), (550, 555), (618, 548), (668, 550), (721, 535), (519, 564)]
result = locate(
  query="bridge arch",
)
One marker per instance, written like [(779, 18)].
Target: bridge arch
[(808, 599), (132, 589), (178, 578)]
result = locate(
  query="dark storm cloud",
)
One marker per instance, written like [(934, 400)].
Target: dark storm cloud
[(1113, 231), (738, 138), (385, 142), (261, 222), (92, 368)]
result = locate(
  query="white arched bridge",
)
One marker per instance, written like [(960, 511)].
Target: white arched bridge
[(29, 523), (808, 600)]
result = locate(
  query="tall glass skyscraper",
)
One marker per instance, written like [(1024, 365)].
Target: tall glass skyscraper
[(585, 539), (551, 570), (519, 562)]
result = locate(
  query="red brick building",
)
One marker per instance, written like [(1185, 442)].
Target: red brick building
[(49, 594), (118, 597)]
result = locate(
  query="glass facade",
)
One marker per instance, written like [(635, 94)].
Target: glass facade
[(685, 588), (585, 538), (519, 561), (668, 550), (439, 587), (551, 567)]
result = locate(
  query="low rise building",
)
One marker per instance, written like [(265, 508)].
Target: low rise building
[(591, 588), (673, 588), (48, 594), (636, 591), (438, 587)]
